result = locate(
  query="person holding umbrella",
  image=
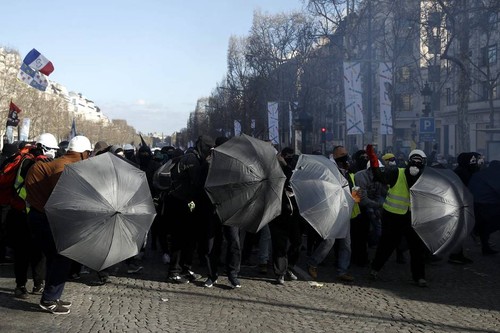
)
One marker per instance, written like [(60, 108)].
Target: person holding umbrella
[(341, 158), (286, 236), (215, 232), (188, 208), (396, 214), (40, 182), (467, 166), (485, 188)]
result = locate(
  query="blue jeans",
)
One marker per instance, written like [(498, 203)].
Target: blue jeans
[(264, 243), (324, 249), (58, 266)]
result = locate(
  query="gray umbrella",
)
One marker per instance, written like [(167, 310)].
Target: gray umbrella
[(245, 183), (323, 196), (442, 209), (100, 211)]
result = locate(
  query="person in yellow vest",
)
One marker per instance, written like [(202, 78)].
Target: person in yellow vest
[(396, 214), (27, 254)]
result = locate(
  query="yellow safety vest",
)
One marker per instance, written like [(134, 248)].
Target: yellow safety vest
[(355, 210), (19, 184), (397, 200)]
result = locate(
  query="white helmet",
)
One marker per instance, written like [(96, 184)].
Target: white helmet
[(47, 140), (128, 146), (79, 144), (417, 152)]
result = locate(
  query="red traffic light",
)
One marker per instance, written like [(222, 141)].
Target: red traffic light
[(323, 129)]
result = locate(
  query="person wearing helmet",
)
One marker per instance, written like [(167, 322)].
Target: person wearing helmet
[(129, 152), (40, 182), (48, 143), (396, 214), (27, 253)]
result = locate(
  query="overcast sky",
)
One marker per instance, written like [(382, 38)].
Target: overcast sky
[(145, 61)]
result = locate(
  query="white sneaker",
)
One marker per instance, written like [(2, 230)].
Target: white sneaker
[(165, 258)]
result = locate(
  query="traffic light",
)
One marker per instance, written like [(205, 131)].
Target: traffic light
[(323, 134)]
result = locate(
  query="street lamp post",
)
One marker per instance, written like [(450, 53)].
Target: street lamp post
[(413, 127), (426, 93), (302, 125)]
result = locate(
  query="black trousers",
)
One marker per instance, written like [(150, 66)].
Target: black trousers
[(487, 222), (360, 233), (394, 227), (216, 234), (27, 253), (184, 228), (286, 238)]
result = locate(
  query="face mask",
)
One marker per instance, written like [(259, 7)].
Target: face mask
[(51, 153), (414, 170), (392, 163), (342, 160)]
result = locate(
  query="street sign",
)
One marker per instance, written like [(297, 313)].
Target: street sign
[(427, 137), (427, 125)]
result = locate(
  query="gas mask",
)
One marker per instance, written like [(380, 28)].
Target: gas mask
[(49, 152), (392, 163), (416, 164), (414, 170)]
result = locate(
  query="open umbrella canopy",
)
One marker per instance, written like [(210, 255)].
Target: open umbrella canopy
[(442, 209), (323, 196), (245, 183), (100, 211)]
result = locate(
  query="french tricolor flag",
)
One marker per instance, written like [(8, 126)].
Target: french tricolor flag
[(38, 62)]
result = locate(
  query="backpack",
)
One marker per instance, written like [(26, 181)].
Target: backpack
[(8, 175), (182, 187), (162, 178)]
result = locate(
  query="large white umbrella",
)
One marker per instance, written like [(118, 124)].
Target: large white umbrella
[(323, 195), (100, 211)]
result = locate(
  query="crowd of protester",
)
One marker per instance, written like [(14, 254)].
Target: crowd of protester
[(187, 225)]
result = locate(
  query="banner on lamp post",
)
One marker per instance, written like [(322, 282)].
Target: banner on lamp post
[(273, 125), (385, 86), (237, 128), (292, 107), (353, 98), (25, 129), (9, 133)]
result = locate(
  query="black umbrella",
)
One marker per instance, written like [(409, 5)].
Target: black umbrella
[(100, 211), (245, 183), (442, 209)]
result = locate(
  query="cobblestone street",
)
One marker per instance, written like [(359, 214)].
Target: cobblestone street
[(458, 299)]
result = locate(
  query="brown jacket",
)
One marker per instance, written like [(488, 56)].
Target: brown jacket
[(43, 176)]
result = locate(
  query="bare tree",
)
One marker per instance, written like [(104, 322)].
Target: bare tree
[(458, 23), (277, 49)]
